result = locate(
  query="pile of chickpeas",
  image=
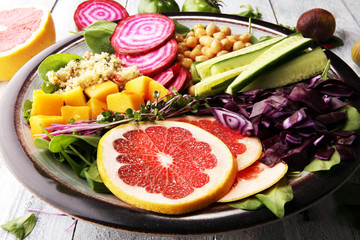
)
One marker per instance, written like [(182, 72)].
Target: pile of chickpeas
[(203, 43)]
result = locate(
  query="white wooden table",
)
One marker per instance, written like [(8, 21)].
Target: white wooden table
[(318, 222)]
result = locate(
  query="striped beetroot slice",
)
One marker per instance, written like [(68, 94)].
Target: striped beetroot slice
[(153, 62), (92, 10), (142, 33)]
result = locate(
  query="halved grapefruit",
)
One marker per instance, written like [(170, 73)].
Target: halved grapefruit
[(24, 32), (254, 179), (167, 167), (246, 150)]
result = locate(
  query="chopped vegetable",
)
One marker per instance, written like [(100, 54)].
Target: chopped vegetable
[(142, 33), (92, 10)]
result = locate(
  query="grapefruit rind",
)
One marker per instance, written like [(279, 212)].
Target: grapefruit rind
[(12, 60), (221, 177), (267, 178)]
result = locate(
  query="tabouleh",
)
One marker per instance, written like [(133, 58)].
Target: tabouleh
[(93, 69)]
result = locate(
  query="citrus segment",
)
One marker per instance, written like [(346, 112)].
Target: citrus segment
[(24, 32), (254, 179), (167, 167), (246, 150)]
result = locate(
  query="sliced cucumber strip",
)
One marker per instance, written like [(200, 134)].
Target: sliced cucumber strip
[(203, 68), (300, 68), (217, 83), (194, 74), (275, 55)]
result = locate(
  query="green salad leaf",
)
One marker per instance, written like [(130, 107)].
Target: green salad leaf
[(276, 197), (323, 165), (181, 29), (97, 36), (21, 226), (94, 180), (250, 12), (250, 203), (352, 119)]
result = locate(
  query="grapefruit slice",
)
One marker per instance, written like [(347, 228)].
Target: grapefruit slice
[(254, 179), (246, 150), (24, 32), (167, 167)]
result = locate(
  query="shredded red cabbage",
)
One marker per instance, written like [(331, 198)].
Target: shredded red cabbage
[(294, 122)]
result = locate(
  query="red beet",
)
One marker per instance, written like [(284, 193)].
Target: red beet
[(167, 75), (180, 81), (92, 10), (142, 33), (153, 62)]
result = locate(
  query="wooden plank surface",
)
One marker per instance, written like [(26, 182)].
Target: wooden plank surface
[(320, 221)]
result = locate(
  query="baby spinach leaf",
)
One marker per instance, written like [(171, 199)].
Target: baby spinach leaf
[(250, 203), (323, 165), (93, 178), (21, 226), (27, 106), (276, 197), (97, 36), (181, 29), (61, 142), (41, 143), (54, 62)]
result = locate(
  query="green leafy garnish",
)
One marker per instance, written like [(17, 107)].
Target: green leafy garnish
[(54, 63), (21, 226), (97, 36), (94, 180), (250, 12), (276, 197), (323, 165), (181, 29), (27, 106)]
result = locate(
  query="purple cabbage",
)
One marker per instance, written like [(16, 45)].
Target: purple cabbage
[(295, 123)]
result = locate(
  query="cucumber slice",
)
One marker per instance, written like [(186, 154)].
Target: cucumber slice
[(203, 68), (194, 74), (237, 61), (300, 68), (217, 83), (275, 55)]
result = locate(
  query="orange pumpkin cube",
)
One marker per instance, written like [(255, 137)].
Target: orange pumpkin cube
[(156, 86), (96, 107), (139, 85), (47, 104), (101, 90), (119, 102), (75, 97), (75, 113), (45, 121)]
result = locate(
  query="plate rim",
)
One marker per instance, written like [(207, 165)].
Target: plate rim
[(225, 219)]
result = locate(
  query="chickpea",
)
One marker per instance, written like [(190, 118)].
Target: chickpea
[(221, 53), (204, 49), (179, 57), (209, 53), (216, 46), (191, 42), (219, 35), (238, 45), (190, 34), (225, 30), (179, 38), (248, 44), (186, 62), (194, 53), (236, 37), (199, 32), (227, 45), (245, 37), (181, 48), (231, 38), (211, 29), (191, 90), (206, 41), (198, 25), (187, 53), (201, 58)]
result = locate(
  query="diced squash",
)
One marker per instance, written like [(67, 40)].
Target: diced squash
[(45, 121), (156, 86), (101, 90), (119, 102), (75, 97), (96, 107), (47, 104), (75, 113), (38, 91), (139, 85)]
